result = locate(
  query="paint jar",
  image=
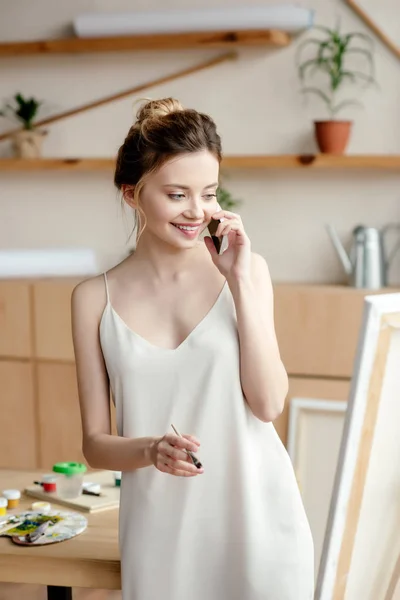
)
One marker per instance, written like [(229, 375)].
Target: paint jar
[(117, 478), (49, 483), (42, 507), (3, 506), (69, 479), (13, 497)]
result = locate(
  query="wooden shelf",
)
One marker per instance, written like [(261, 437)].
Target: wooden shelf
[(313, 161), (57, 164), (209, 39), (285, 161)]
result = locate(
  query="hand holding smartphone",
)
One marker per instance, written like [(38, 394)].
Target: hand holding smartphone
[(212, 228)]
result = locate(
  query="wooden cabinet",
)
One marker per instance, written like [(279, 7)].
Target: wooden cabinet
[(39, 402), (52, 319), (60, 429), (18, 437), (317, 328), (15, 319)]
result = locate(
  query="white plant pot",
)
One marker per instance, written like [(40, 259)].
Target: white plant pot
[(28, 143)]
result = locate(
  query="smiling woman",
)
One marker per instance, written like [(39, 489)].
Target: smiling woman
[(160, 125), (184, 334), (177, 195)]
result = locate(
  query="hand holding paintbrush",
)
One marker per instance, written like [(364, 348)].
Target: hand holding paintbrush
[(175, 454), (193, 458)]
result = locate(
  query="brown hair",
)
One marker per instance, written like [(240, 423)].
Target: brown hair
[(163, 129)]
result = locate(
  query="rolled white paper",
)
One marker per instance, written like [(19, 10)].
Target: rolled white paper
[(58, 262), (290, 18)]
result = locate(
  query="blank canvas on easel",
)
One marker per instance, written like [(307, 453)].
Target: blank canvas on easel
[(360, 558)]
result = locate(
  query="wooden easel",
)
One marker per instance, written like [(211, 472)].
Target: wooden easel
[(374, 392)]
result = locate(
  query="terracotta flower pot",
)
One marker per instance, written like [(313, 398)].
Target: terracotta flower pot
[(332, 136), (28, 143)]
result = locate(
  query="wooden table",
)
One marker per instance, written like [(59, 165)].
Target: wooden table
[(90, 560)]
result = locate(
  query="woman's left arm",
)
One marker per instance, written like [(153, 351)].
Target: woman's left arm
[(263, 376)]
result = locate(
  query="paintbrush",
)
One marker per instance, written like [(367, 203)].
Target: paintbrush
[(192, 456), (84, 491)]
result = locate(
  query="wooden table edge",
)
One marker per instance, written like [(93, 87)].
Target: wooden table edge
[(60, 572)]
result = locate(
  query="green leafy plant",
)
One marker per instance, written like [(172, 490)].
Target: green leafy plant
[(331, 60), (226, 200), (24, 110)]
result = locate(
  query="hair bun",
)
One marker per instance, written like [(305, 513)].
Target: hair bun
[(153, 110)]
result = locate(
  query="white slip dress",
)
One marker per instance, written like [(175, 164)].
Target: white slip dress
[(239, 530)]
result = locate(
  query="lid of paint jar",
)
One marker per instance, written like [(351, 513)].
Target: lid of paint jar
[(49, 478), (12, 494), (3, 502), (69, 468)]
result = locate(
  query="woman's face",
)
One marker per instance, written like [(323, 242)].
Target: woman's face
[(180, 198)]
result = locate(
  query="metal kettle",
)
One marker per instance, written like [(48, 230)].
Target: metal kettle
[(366, 264)]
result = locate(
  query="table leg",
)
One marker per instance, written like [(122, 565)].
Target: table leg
[(55, 592)]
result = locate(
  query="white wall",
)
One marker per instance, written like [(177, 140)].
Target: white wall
[(256, 105)]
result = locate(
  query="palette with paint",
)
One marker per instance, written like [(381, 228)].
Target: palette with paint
[(62, 525)]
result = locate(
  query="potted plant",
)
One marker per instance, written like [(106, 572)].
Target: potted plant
[(330, 59), (226, 200), (27, 142)]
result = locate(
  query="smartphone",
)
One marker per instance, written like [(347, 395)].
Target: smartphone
[(212, 228)]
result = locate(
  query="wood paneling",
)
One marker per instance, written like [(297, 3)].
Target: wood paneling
[(59, 416), (303, 387), (18, 437), (52, 313), (318, 327), (15, 326)]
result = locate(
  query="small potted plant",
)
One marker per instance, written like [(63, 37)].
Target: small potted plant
[(330, 59), (27, 143), (226, 200)]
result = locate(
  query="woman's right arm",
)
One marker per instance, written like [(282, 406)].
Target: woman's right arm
[(101, 449)]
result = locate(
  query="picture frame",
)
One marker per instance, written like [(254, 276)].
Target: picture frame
[(361, 550), (314, 434)]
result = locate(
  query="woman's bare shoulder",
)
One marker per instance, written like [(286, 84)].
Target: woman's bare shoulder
[(89, 288), (89, 297), (93, 292)]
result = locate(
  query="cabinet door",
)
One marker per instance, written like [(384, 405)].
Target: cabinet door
[(15, 325), (324, 389), (18, 435), (59, 415), (52, 313), (318, 327)]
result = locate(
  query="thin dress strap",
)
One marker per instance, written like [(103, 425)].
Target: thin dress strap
[(106, 284)]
